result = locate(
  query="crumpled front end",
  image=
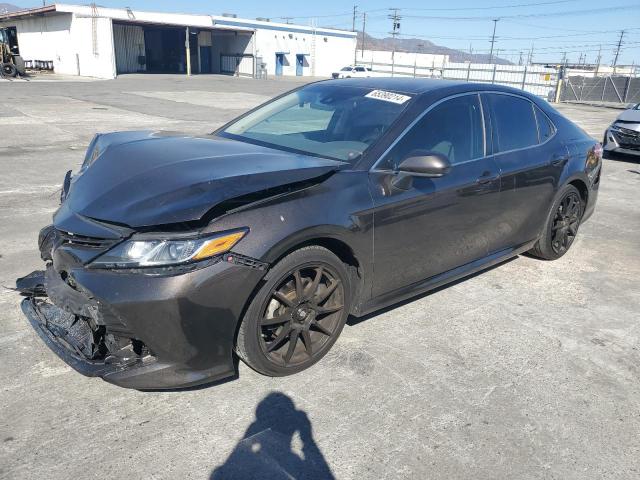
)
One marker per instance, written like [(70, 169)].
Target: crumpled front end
[(144, 328)]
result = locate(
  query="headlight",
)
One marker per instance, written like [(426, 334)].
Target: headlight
[(164, 252)]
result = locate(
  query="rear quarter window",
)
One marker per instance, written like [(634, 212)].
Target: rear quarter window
[(514, 122), (546, 129)]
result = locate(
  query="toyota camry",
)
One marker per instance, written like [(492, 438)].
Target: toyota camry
[(171, 256)]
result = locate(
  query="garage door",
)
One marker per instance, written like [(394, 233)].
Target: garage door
[(129, 47)]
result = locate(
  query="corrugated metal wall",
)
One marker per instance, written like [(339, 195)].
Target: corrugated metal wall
[(129, 46)]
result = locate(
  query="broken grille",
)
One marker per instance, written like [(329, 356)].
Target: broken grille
[(84, 241)]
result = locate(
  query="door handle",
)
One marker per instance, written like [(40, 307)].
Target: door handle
[(485, 179)]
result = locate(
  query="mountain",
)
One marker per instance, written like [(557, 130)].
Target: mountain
[(418, 45), (7, 8)]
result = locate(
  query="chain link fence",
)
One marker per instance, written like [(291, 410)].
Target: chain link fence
[(607, 89), (535, 79)]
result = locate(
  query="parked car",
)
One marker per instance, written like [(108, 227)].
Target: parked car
[(353, 71), (170, 256), (623, 135)]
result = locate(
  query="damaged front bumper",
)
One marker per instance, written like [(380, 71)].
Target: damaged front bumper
[(142, 330), (63, 333)]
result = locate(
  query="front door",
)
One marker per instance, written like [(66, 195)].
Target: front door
[(427, 226), (299, 65), (279, 63)]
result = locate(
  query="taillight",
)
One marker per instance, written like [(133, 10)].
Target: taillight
[(597, 150), (594, 160)]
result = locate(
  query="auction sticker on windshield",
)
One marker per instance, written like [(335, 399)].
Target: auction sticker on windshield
[(388, 96)]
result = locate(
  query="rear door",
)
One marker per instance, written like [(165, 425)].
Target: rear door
[(531, 159), (428, 226)]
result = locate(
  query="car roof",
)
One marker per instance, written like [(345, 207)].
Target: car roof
[(418, 86)]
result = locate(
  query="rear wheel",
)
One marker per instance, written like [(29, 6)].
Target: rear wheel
[(562, 225), (9, 70), (297, 315)]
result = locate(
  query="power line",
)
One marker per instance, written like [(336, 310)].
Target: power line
[(612, 9), (492, 7)]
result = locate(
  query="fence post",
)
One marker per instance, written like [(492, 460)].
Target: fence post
[(559, 84), (626, 89), (393, 62), (524, 77), (468, 71), (493, 77)]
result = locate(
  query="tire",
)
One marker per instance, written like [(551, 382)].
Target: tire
[(288, 310), (562, 225), (9, 70)]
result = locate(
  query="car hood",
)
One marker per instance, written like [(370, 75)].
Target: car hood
[(142, 179), (630, 115)]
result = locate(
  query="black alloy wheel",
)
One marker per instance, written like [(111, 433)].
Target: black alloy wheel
[(297, 315), (566, 223), (562, 225), (302, 315)]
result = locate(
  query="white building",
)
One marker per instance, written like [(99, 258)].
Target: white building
[(104, 42)]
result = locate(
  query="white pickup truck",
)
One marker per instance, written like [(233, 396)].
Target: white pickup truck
[(353, 71)]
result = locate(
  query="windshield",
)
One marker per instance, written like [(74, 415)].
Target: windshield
[(337, 122), (346, 69)]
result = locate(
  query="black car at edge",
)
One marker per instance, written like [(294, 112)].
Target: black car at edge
[(171, 256)]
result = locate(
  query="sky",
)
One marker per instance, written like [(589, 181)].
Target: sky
[(551, 27)]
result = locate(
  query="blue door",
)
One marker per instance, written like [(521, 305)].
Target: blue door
[(205, 59), (299, 65), (279, 62)]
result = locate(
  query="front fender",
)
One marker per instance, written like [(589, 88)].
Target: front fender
[(340, 210)]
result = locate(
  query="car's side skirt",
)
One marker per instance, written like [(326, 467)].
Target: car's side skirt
[(441, 279)]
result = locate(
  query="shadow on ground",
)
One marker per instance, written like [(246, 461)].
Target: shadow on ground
[(278, 444)]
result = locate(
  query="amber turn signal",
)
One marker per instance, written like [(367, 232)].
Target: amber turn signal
[(218, 245)]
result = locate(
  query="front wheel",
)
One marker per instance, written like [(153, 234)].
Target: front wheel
[(297, 315), (562, 225)]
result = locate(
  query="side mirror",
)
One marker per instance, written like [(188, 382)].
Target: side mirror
[(425, 164)]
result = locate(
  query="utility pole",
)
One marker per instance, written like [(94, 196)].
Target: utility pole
[(615, 59), (364, 22), (355, 12), (520, 59), (395, 18), (598, 60), (353, 29), (530, 61), (493, 38)]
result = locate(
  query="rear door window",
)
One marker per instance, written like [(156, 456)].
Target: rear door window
[(514, 122)]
